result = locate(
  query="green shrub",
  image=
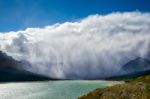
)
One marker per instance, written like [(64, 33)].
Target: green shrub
[(148, 87)]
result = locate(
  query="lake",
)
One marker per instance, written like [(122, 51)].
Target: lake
[(70, 89)]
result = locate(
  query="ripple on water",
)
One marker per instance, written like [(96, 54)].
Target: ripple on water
[(50, 89)]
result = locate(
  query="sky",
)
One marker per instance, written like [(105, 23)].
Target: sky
[(21, 14), (98, 45), (91, 36)]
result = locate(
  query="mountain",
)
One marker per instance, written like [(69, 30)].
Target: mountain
[(132, 69), (12, 71), (136, 65), (128, 76), (7, 62)]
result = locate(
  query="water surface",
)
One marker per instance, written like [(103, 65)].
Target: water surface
[(49, 90)]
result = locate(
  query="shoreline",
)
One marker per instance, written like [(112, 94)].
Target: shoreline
[(109, 83)]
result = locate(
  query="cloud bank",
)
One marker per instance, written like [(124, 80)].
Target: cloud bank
[(96, 46)]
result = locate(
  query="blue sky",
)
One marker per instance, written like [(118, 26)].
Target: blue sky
[(21, 14)]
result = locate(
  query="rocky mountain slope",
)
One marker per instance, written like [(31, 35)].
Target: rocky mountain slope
[(12, 71), (136, 65)]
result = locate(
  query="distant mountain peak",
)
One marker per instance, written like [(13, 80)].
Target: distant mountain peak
[(138, 64), (141, 59), (12, 70), (7, 62)]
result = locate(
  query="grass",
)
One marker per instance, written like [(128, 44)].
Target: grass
[(137, 88)]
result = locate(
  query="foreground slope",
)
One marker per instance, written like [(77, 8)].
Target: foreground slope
[(137, 88)]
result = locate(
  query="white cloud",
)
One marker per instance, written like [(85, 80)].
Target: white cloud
[(96, 46)]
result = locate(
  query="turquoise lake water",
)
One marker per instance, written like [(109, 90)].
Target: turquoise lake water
[(48, 90)]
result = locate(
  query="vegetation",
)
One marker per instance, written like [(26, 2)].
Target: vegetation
[(137, 88)]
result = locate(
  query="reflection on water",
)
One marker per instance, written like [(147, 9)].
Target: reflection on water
[(49, 90)]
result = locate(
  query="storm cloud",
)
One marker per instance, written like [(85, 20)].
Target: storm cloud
[(96, 46)]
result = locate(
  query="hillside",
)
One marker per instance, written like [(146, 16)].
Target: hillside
[(7, 62), (137, 88), (136, 65), (128, 76), (12, 71)]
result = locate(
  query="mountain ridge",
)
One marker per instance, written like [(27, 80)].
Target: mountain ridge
[(12, 71), (136, 65)]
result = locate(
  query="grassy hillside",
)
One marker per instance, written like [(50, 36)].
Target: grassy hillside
[(137, 88)]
